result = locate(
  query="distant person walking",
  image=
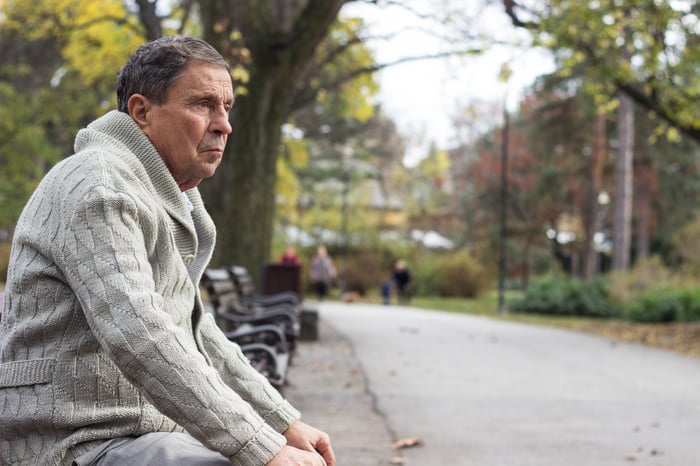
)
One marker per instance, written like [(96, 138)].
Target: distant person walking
[(402, 281), (290, 257), (322, 272)]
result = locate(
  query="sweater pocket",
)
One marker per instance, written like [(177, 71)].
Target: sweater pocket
[(91, 390), (28, 372), (26, 400)]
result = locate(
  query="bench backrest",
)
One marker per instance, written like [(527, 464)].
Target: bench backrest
[(222, 292), (243, 281)]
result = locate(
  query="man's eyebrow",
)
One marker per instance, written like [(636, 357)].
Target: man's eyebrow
[(212, 97), (205, 95)]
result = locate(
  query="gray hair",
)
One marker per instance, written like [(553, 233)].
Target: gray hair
[(155, 67)]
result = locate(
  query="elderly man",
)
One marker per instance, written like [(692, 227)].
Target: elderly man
[(106, 355)]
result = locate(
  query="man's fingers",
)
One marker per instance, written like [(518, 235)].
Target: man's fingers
[(325, 449)]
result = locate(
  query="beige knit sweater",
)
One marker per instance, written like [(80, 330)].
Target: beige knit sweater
[(103, 333)]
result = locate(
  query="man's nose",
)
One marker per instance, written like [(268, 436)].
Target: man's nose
[(220, 121)]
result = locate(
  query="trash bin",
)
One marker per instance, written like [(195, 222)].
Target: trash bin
[(278, 278)]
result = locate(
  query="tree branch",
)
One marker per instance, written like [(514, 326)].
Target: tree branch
[(510, 6), (305, 98), (653, 104), (149, 19)]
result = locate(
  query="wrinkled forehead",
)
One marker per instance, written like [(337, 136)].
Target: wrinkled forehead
[(205, 79)]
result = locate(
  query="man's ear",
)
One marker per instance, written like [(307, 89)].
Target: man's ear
[(139, 108)]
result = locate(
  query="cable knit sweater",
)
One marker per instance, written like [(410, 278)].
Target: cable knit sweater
[(103, 333)]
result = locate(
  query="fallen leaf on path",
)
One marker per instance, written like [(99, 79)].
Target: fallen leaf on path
[(406, 442), (326, 366)]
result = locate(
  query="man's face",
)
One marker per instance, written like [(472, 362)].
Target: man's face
[(190, 129)]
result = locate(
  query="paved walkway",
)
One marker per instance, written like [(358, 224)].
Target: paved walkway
[(482, 392), (327, 383)]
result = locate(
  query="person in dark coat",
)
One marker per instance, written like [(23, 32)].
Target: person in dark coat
[(402, 282)]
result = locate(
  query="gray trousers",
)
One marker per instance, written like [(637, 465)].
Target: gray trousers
[(154, 449)]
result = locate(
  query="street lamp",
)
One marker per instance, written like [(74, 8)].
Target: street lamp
[(347, 153), (504, 77), (503, 201)]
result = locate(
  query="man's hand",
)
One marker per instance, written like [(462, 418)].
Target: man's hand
[(305, 437), (291, 456)]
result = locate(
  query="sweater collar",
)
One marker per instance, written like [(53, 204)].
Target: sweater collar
[(119, 127)]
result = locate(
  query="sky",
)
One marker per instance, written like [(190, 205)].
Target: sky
[(420, 96)]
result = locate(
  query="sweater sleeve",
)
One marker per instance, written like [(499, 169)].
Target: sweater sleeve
[(249, 384), (110, 241)]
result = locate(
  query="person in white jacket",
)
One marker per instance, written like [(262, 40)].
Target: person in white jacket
[(106, 354)]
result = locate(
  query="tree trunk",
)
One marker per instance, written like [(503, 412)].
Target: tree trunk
[(645, 186), (149, 19), (623, 184), (643, 237), (590, 260), (282, 39)]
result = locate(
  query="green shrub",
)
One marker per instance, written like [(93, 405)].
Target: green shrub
[(423, 276), (459, 275), (651, 292), (566, 296), (364, 270), (690, 311), (687, 247), (665, 303), (626, 287), (655, 306)]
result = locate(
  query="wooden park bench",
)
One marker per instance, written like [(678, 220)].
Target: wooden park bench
[(307, 316), (249, 296), (266, 335)]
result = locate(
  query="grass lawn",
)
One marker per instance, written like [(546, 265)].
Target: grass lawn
[(680, 337)]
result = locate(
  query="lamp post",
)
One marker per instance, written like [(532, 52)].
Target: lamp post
[(347, 153), (503, 203), (603, 199)]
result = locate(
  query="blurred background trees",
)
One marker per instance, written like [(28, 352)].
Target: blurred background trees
[(315, 159)]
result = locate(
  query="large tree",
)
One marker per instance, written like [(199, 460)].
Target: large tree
[(278, 40), (279, 46)]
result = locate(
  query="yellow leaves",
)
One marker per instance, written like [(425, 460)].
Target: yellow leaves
[(438, 162), (101, 39), (358, 95), (241, 77), (505, 73), (241, 61), (288, 186), (572, 29), (96, 37), (605, 103), (297, 152), (664, 130), (355, 97), (32, 18), (673, 135)]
